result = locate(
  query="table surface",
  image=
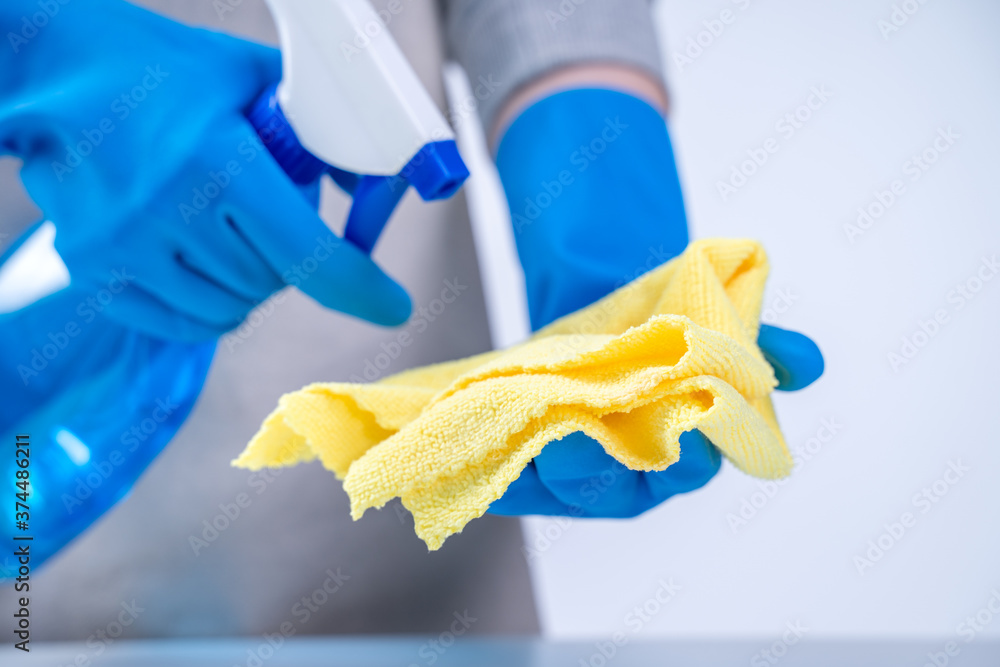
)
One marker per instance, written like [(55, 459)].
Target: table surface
[(520, 652)]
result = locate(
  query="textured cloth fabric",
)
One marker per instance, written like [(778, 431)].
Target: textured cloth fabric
[(672, 351), (505, 44)]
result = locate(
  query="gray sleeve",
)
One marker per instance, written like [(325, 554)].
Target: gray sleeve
[(504, 44)]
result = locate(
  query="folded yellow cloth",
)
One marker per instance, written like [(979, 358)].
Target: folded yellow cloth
[(672, 351)]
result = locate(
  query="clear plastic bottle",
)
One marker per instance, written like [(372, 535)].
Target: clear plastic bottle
[(98, 402)]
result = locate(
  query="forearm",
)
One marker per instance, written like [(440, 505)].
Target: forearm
[(574, 110), (518, 51), (594, 196), (610, 76)]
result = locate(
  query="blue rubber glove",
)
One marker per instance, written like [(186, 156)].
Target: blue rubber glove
[(134, 142), (596, 201)]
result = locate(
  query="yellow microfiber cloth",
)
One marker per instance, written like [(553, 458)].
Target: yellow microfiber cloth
[(672, 351)]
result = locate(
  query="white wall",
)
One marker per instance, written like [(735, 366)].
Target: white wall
[(794, 560)]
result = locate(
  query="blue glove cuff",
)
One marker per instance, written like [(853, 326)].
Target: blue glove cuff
[(594, 197)]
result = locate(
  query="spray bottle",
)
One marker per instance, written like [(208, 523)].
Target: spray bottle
[(98, 420), (359, 115)]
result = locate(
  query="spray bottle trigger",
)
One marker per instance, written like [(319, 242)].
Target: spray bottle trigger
[(435, 172), (375, 198)]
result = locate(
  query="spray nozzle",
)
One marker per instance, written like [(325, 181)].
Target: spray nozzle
[(364, 119), (435, 172)]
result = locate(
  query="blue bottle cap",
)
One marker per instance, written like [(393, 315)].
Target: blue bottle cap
[(277, 134)]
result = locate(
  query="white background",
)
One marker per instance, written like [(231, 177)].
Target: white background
[(795, 559)]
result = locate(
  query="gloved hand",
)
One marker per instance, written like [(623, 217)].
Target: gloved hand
[(135, 145), (596, 201)]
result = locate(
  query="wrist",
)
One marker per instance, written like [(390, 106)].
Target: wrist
[(603, 76)]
